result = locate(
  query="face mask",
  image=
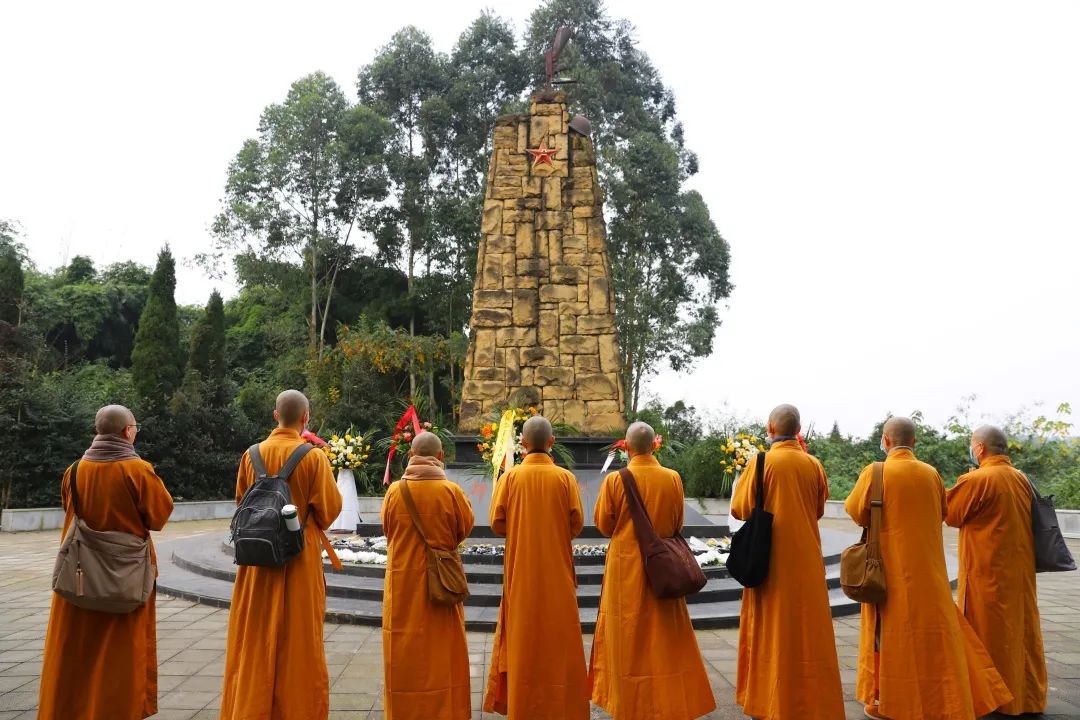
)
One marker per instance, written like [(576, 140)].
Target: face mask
[(883, 446), (971, 454)]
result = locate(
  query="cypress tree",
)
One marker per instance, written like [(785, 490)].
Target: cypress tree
[(207, 358), (834, 435), (156, 362), (11, 286)]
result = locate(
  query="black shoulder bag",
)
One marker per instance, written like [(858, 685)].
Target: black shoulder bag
[(751, 545)]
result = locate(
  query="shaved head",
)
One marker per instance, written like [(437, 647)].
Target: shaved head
[(900, 431), (993, 439), (640, 438), (537, 434), (112, 419), (291, 407), (785, 420), (426, 444)]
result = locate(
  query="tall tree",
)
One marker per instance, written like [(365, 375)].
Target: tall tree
[(80, 270), (11, 286), (156, 362), (207, 358), (304, 185), (405, 76), (669, 263)]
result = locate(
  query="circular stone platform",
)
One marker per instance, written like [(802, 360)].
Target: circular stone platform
[(201, 569)]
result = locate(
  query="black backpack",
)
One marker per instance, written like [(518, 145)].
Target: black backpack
[(751, 545), (259, 534)]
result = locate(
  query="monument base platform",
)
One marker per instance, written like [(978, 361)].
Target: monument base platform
[(201, 569)]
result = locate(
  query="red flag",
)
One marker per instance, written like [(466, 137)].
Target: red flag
[(408, 415)]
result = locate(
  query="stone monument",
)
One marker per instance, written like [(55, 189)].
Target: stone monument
[(543, 322)]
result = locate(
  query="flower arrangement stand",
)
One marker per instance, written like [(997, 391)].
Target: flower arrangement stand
[(350, 503)]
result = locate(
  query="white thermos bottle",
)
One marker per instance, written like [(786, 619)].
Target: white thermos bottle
[(288, 514)]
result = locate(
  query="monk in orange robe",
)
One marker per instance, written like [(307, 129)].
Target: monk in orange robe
[(425, 657), (538, 658), (99, 664), (918, 657), (992, 508), (788, 667), (275, 665), (645, 659)]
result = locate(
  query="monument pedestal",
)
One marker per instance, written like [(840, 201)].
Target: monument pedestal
[(588, 452), (589, 455)]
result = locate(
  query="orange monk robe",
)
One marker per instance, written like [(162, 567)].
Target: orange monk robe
[(787, 652), (275, 666), (645, 660), (425, 657), (538, 658), (931, 664), (101, 664), (997, 595)]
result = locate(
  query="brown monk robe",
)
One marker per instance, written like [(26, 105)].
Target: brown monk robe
[(997, 595), (930, 664), (645, 659), (98, 664), (538, 658), (425, 657), (275, 666), (787, 653)]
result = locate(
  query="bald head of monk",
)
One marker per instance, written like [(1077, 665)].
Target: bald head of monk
[(784, 421), (116, 420), (426, 444), (640, 439), (292, 410), (537, 435), (988, 441), (898, 432)]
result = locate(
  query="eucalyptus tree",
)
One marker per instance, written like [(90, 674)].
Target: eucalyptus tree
[(299, 191)]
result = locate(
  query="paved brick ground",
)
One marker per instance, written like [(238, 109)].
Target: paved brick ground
[(191, 644)]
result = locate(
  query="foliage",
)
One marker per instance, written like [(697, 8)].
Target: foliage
[(156, 361), (11, 286), (207, 357), (309, 179)]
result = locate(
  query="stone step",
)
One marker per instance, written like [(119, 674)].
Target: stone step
[(204, 560), (589, 532), (487, 572), (175, 581)]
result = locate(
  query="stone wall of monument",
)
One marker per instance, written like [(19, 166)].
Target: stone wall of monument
[(543, 323)]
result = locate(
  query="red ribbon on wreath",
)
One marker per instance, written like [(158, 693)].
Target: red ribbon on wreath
[(408, 415)]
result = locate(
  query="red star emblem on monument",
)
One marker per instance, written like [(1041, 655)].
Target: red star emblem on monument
[(542, 155)]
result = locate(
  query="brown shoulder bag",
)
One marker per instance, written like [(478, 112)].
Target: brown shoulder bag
[(104, 570), (862, 574), (447, 584), (672, 570)]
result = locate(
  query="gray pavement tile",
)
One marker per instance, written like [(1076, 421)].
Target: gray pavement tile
[(191, 645)]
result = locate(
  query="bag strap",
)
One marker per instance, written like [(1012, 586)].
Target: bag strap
[(73, 486), (759, 499), (297, 455), (413, 513), (335, 561), (256, 462), (877, 494), (1034, 490), (643, 527)]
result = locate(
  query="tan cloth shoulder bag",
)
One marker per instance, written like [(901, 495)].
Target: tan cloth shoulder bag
[(862, 574), (447, 584), (104, 570)]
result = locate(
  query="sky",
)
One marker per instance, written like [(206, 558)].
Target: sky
[(899, 182)]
